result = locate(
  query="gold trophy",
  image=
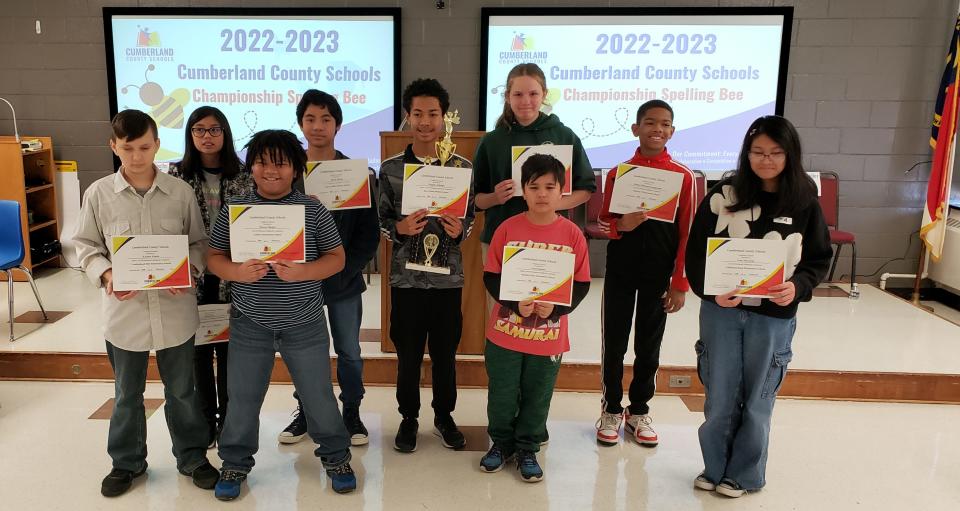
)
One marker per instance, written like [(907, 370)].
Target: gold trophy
[(445, 146), (432, 243)]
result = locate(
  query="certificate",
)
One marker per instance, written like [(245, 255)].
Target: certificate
[(270, 232), (214, 324), (339, 184), (150, 261), (655, 191), (437, 189), (537, 274), (564, 153), (751, 266)]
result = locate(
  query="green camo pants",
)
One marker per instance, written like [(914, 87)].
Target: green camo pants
[(518, 396)]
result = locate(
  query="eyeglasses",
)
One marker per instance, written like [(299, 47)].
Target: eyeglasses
[(774, 157), (215, 131)]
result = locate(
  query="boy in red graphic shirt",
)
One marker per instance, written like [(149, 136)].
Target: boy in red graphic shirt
[(526, 340)]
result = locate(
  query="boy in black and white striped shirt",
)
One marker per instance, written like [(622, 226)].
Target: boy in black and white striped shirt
[(279, 307)]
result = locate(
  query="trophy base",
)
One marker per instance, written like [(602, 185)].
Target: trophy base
[(430, 269)]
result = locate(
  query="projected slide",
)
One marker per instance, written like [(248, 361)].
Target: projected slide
[(718, 73), (254, 69)]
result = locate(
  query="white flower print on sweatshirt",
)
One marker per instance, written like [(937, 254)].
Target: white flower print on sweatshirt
[(794, 251), (736, 222)]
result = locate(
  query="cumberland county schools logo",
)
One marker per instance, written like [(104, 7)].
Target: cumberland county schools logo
[(521, 43), (148, 48), (146, 38), (522, 49)]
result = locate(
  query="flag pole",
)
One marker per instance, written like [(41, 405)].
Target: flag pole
[(946, 171), (915, 296)]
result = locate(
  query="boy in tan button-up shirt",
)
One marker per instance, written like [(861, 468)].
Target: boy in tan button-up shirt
[(138, 199)]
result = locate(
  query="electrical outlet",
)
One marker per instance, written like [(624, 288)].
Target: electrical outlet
[(679, 381)]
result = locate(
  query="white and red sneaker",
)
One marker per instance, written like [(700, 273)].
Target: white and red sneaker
[(608, 428), (640, 427)]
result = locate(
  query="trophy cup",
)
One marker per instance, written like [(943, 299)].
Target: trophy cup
[(426, 245)]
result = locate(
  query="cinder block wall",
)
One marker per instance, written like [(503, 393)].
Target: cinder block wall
[(862, 81)]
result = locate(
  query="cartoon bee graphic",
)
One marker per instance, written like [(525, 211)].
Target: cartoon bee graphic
[(743, 282), (336, 198), (433, 204), (535, 289), (266, 248), (166, 110), (149, 276)]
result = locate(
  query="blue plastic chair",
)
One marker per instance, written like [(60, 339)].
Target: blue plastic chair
[(11, 253)]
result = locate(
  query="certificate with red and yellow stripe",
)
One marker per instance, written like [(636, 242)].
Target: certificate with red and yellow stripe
[(269, 232), (339, 184), (563, 153), (749, 266), (437, 189), (654, 191), (150, 261), (214, 324), (537, 274)]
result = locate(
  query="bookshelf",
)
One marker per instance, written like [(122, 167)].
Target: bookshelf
[(30, 179)]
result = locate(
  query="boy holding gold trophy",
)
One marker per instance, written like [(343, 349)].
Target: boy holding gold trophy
[(426, 210)]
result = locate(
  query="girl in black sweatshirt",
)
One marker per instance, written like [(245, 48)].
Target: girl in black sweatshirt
[(745, 343)]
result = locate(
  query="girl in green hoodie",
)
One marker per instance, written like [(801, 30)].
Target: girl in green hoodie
[(522, 124)]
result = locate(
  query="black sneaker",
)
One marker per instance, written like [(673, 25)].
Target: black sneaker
[(358, 432), (296, 430), (342, 478), (446, 429), (204, 476), (529, 467), (118, 481), (406, 440)]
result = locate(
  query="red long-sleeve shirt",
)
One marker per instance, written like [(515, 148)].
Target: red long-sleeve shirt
[(651, 239)]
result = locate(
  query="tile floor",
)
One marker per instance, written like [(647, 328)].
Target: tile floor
[(878, 332), (824, 456)]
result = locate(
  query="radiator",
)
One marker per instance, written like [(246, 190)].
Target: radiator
[(946, 272)]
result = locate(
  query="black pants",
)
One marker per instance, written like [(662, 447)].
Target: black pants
[(422, 318), (648, 319), (212, 390)]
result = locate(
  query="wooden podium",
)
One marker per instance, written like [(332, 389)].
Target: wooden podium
[(473, 304)]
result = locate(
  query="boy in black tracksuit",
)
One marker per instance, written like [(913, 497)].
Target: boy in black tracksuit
[(644, 281)]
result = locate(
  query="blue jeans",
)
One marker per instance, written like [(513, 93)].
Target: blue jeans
[(344, 317), (742, 359), (127, 440), (306, 351)]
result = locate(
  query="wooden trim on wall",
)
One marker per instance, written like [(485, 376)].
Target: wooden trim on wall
[(574, 377)]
